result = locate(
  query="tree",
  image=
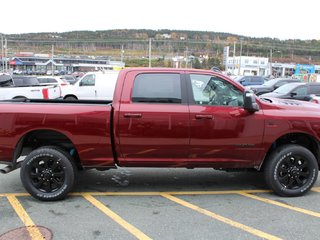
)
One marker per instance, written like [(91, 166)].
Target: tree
[(197, 64), (214, 62)]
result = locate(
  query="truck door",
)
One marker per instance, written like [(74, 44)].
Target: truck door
[(153, 120), (221, 130)]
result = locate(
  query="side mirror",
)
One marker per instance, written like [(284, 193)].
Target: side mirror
[(80, 84), (249, 101), (293, 94)]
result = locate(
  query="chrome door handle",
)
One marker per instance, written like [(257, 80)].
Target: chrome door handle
[(204, 116), (132, 115)]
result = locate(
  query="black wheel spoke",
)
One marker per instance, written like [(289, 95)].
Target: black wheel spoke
[(58, 174), (47, 187), (36, 165), (283, 168), (35, 175), (284, 178), (55, 165), (291, 181), (299, 182), (304, 174), (39, 183), (58, 182), (303, 165)]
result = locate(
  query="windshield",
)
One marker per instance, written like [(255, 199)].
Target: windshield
[(286, 88)]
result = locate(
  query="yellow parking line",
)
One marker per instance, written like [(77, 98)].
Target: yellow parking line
[(115, 217), (15, 194), (269, 201), (221, 218), (34, 232), (317, 189), (170, 193)]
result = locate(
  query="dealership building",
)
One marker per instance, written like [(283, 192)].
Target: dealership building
[(29, 62)]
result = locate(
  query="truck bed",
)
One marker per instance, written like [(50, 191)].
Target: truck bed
[(83, 127)]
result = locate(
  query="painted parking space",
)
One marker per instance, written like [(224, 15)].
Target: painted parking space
[(236, 214)]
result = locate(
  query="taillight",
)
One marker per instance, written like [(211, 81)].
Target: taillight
[(64, 84), (45, 93), (314, 101)]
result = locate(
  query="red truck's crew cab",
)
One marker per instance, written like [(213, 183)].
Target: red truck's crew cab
[(162, 118)]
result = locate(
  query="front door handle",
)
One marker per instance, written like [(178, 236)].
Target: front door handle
[(204, 116), (132, 115)]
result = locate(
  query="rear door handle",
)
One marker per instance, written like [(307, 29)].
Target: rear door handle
[(203, 116), (132, 115)]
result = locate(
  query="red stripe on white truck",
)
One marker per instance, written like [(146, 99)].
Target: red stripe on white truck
[(45, 93)]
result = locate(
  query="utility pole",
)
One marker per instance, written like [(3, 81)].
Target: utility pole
[(122, 52), (149, 52), (52, 52), (6, 54), (271, 61), (239, 70), (234, 56), (187, 53), (2, 53)]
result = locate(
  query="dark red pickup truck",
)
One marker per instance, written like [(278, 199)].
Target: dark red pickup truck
[(162, 118)]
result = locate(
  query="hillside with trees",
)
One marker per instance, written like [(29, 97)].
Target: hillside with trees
[(132, 46)]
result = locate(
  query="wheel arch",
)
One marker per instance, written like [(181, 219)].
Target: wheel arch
[(70, 95), (302, 139), (45, 137)]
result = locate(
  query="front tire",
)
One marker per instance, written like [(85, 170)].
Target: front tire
[(48, 173), (291, 170)]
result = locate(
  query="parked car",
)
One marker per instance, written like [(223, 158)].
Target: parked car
[(52, 81), (69, 78), (250, 80), (298, 91), (93, 85), (315, 98), (271, 85)]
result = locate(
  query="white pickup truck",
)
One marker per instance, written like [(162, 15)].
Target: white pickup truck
[(26, 87)]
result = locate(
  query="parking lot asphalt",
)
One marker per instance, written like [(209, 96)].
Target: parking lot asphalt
[(133, 203)]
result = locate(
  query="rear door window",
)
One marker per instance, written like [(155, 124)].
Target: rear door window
[(157, 88)]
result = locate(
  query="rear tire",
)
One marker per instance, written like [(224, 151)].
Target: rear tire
[(291, 170), (48, 173), (70, 98)]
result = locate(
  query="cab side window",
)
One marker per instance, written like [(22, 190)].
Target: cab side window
[(88, 80), (157, 88), (212, 90)]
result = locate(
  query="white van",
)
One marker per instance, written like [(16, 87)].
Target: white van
[(93, 85)]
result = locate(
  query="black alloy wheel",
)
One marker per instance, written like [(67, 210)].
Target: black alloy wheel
[(294, 172), (291, 170), (48, 173)]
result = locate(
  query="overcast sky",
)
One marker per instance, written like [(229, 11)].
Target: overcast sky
[(281, 19)]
